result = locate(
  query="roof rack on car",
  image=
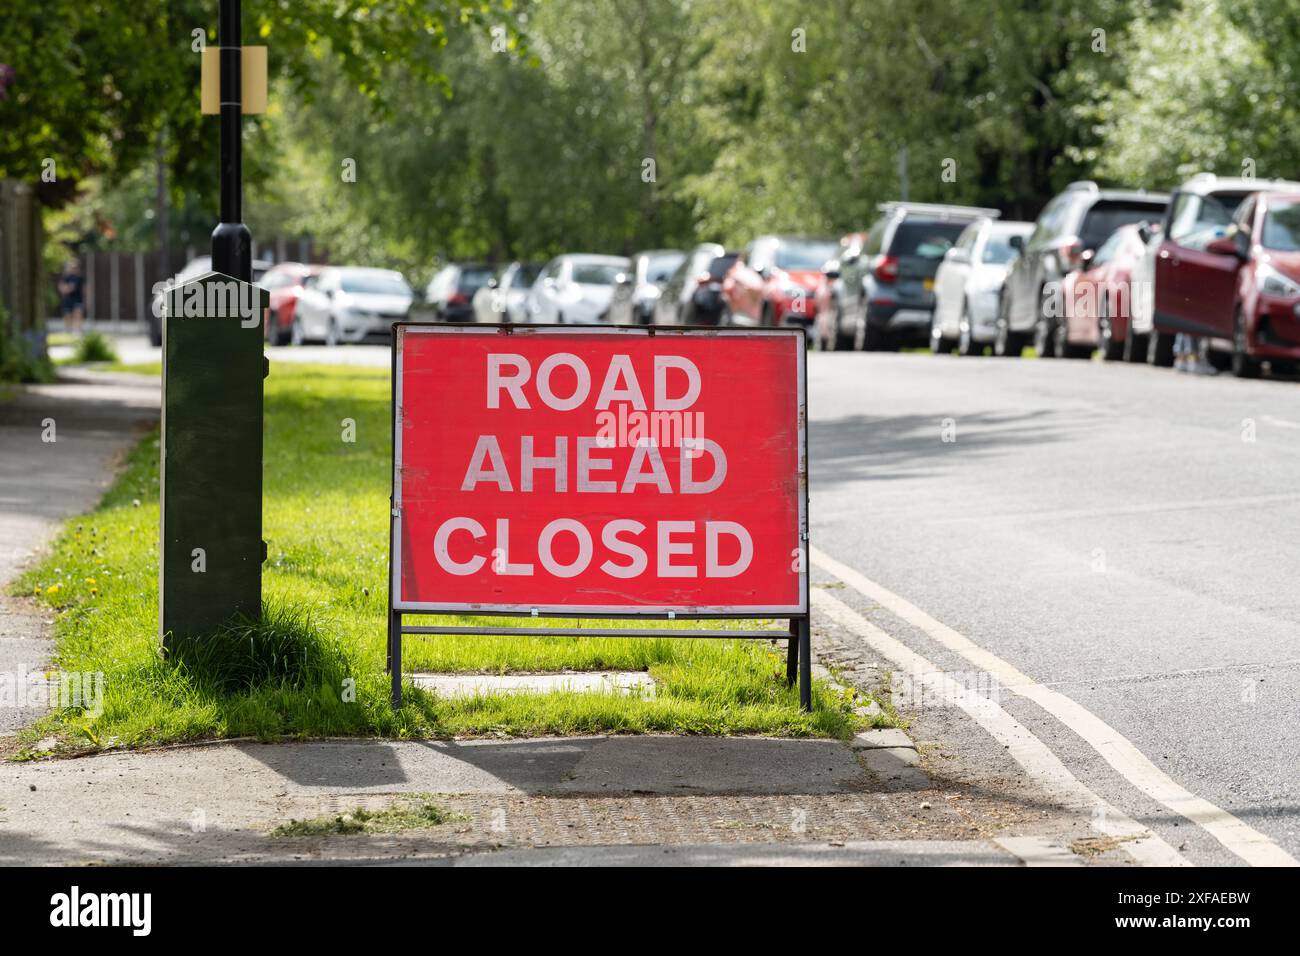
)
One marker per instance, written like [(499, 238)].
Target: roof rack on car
[(938, 209)]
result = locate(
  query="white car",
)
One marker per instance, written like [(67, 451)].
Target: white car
[(349, 303), (968, 285), (576, 289), (503, 298)]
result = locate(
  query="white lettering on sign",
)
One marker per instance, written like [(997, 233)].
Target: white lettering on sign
[(676, 545)]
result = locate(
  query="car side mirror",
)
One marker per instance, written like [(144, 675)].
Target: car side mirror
[(1225, 246), (831, 270), (1018, 243), (492, 283), (1086, 257)]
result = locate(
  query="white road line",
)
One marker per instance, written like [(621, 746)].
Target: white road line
[(1243, 840), (1027, 750)]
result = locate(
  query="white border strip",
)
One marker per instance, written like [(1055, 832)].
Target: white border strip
[(619, 610), (1238, 837)]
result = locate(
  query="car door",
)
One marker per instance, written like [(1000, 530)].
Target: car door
[(313, 306), (1195, 288), (950, 280), (743, 286)]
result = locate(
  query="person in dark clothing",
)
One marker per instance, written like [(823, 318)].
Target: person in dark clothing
[(71, 290)]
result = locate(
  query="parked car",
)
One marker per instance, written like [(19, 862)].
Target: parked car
[(968, 285), (284, 283), (1076, 221), (196, 267), (349, 304), (886, 286), (576, 288), (502, 299), (1264, 240), (827, 331), (634, 298), (705, 305), (775, 281), (679, 290), (1098, 297), (450, 293), (1194, 289)]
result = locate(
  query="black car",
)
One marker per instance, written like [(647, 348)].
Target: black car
[(704, 307), (883, 290), (1067, 232), (450, 293)]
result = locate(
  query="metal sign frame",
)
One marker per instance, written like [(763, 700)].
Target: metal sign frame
[(798, 636)]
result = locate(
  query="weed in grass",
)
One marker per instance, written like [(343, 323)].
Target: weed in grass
[(416, 812), (94, 347)]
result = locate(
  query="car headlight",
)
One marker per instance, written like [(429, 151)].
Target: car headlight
[(1272, 282)]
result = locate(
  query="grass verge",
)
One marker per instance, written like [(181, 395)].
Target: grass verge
[(314, 666)]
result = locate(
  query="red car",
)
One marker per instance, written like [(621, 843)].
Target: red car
[(1098, 298), (284, 282), (1263, 323), (776, 281)]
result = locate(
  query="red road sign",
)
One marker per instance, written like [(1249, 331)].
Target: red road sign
[(611, 471)]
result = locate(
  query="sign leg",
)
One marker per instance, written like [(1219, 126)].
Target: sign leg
[(792, 654), (395, 656), (805, 663)]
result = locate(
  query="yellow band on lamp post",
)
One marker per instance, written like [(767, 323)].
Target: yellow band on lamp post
[(252, 80)]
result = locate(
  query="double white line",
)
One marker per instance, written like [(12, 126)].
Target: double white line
[(1030, 752)]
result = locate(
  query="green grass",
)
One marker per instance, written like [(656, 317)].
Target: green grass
[(416, 812), (314, 666)]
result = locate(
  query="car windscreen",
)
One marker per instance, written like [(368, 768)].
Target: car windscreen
[(374, 284), (525, 276), (595, 273), (1282, 228), (719, 266), (799, 256), (926, 240), (659, 269), (1105, 217), (471, 280), (998, 250)]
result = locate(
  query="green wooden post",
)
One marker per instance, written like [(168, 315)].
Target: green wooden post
[(211, 553)]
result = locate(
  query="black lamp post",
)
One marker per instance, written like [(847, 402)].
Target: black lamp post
[(232, 244)]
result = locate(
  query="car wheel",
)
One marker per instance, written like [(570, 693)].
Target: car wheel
[(296, 336), (1135, 347), (1007, 344), (839, 339), (939, 345), (1111, 351), (873, 339), (1160, 349), (1243, 366), (766, 319), (1044, 338)]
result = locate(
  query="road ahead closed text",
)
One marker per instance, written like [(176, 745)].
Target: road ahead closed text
[(603, 471)]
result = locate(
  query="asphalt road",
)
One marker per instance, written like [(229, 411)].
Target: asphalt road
[(1111, 531)]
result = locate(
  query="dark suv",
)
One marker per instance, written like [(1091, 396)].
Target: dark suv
[(884, 290), (1068, 231)]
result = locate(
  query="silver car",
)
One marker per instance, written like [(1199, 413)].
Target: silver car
[(968, 285), (576, 289), (503, 298), (350, 303), (635, 296)]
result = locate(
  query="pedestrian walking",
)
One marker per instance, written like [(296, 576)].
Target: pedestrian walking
[(71, 295)]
